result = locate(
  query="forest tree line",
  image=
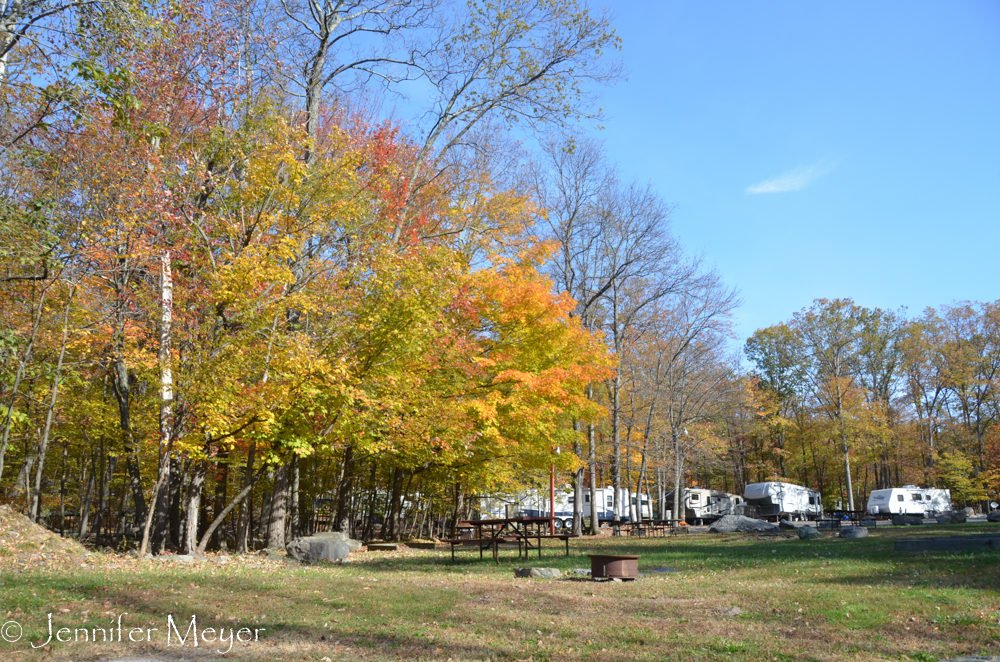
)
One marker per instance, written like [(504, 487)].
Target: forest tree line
[(240, 298)]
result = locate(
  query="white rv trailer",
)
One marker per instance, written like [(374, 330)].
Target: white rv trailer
[(909, 500), (700, 505), (783, 500), (535, 503)]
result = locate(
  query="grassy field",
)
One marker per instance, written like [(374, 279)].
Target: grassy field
[(733, 597)]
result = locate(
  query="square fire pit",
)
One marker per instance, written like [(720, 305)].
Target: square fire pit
[(614, 566)]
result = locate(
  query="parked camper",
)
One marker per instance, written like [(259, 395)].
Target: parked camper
[(909, 500), (783, 500), (700, 505), (535, 503)]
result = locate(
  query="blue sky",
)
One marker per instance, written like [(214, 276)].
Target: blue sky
[(813, 149)]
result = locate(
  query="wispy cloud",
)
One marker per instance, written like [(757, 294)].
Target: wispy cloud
[(794, 180)]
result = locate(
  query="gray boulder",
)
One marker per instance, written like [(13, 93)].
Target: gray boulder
[(868, 521), (809, 533), (317, 549), (951, 517), (353, 545), (854, 532), (786, 525), (538, 573), (906, 520), (969, 512), (741, 524), (994, 516)]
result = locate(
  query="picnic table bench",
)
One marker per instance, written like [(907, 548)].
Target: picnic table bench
[(527, 532)]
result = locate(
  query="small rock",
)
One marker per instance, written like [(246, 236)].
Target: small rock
[(906, 520), (222, 560), (786, 525), (951, 517), (175, 558), (732, 611), (538, 573), (994, 516), (854, 532), (580, 572), (809, 533)]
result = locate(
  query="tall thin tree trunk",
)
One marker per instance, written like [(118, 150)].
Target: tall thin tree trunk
[(85, 506), (43, 445), (246, 508), (394, 505), (577, 483), (221, 489), (678, 476), (595, 507), (62, 491), (161, 488), (178, 477), (18, 376)]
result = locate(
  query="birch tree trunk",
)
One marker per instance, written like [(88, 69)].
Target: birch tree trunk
[(160, 489)]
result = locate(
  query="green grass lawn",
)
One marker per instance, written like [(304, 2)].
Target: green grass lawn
[(829, 599)]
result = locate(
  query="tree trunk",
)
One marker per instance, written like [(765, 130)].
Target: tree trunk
[(18, 376), (62, 491), (459, 496), (341, 520), (595, 507), (294, 526), (243, 520), (176, 495), (237, 500), (161, 490), (678, 474), (279, 509), (577, 484), (394, 505), (194, 507), (616, 456), (85, 507), (221, 489), (43, 445)]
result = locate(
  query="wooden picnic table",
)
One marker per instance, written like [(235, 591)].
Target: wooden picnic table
[(647, 527), (527, 532)]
